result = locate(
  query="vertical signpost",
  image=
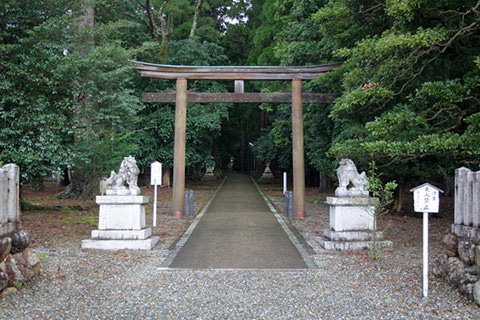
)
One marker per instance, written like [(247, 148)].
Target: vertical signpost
[(155, 179), (284, 183), (426, 199)]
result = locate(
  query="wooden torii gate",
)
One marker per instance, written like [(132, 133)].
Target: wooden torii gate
[(237, 73)]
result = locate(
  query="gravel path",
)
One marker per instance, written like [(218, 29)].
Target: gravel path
[(78, 284), (129, 285)]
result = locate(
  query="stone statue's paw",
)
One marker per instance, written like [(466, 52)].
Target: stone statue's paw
[(135, 191)]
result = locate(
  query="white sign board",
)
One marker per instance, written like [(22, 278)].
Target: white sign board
[(156, 173), (426, 198)]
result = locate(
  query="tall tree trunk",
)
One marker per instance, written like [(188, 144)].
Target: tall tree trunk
[(195, 19), (160, 31), (82, 182), (399, 197), (322, 182), (151, 23), (165, 30), (85, 17)]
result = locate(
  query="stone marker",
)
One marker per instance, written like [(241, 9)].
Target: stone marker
[(267, 175), (210, 168), (9, 199), (121, 222), (351, 213), (467, 204)]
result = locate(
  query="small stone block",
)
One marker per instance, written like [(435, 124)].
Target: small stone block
[(7, 228), (146, 244), (477, 255), (31, 258), (122, 199), (121, 234), (351, 214), (476, 292), (351, 235), (5, 246), (352, 245), (3, 280), (121, 212), (13, 272), (8, 291), (352, 201), (468, 232)]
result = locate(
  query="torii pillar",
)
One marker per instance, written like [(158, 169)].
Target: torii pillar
[(179, 148), (297, 150)]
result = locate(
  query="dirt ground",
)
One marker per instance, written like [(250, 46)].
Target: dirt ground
[(64, 221), (404, 230), (61, 222)]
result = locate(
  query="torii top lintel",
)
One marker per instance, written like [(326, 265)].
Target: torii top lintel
[(163, 71)]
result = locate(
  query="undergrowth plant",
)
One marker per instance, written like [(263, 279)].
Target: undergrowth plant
[(384, 192)]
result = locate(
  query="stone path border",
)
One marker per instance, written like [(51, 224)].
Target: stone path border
[(180, 243), (309, 261)]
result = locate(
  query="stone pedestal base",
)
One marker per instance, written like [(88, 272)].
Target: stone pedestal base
[(352, 240), (146, 244), (121, 212), (468, 232), (121, 225), (351, 225), (348, 213)]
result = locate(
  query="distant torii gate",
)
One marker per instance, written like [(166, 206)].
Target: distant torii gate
[(238, 74)]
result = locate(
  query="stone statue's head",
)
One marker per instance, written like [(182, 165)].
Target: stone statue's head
[(346, 162)]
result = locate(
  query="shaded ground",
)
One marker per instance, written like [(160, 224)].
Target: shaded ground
[(404, 230), (74, 219)]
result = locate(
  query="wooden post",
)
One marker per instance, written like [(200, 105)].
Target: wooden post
[(179, 148), (297, 150)]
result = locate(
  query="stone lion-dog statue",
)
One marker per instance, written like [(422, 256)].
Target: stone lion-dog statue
[(350, 182), (127, 174)]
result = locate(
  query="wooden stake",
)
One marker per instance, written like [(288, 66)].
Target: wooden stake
[(297, 150), (179, 148)]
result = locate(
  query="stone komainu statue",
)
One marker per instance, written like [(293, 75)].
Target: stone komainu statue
[(350, 182), (127, 174)]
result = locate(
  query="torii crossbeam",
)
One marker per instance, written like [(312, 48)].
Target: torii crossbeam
[(238, 73)]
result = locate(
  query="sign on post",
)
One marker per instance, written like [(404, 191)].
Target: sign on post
[(156, 173), (155, 179), (426, 199)]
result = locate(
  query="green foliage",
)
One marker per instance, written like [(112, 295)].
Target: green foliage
[(275, 145), (384, 192), (413, 96), (263, 28), (204, 121), (408, 91), (57, 102), (408, 88)]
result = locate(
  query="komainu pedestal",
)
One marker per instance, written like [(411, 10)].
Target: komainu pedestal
[(121, 220), (121, 225), (351, 213)]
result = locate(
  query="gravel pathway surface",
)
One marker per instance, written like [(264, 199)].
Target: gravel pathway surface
[(78, 284), (238, 231), (130, 285)]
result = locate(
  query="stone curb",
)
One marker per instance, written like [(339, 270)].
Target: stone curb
[(281, 220)]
